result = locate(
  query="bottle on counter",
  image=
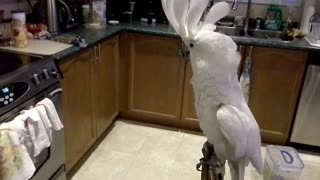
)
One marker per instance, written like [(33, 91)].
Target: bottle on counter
[(20, 34), (273, 18)]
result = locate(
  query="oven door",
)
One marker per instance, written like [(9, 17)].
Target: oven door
[(50, 163)]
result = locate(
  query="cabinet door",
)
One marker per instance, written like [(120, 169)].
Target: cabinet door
[(188, 109), (104, 85), (155, 77), (77, 110), (276, 79)]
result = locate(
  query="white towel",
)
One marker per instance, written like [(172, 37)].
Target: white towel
[(52, 113), (15, 162), (37, 131), (45, 119)]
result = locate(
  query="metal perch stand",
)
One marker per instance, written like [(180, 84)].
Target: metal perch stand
[(211, 166)]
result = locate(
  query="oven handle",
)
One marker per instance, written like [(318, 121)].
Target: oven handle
[(54, 92)]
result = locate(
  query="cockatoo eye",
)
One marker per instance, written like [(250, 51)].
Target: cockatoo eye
[(191, 45)]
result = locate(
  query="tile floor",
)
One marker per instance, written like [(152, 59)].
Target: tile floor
[(133, 151)]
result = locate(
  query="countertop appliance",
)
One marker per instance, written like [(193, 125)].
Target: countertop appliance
[(67, 12), (24, 81), (307, 122)]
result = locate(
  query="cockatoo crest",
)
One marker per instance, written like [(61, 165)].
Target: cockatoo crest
[(185, 15)]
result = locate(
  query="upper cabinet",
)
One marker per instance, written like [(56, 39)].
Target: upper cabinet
[(156, 77), (276, 79)]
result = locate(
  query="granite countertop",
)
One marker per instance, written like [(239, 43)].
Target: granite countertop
[(93, 36)]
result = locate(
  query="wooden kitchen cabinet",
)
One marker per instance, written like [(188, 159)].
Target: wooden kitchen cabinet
[(188, 109), (104, 85), (77, 107), (90, 98), (156, 77), (276, 79)]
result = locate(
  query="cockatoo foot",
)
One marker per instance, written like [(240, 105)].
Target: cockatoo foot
[(211, 161)]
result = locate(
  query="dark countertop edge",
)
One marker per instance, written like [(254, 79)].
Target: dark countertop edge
[(63, 56), (302, 45)]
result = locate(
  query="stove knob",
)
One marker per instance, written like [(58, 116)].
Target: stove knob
[(45, 74), (36, 79), (54, 74)]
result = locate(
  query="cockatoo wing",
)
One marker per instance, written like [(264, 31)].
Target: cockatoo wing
[(232, 123), (194, 15), (241, 132), (218, 11)]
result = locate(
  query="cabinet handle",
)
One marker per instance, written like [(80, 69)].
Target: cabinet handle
[(95, 54), (92, 60), (250, 51), (240, 48), (99, 58)]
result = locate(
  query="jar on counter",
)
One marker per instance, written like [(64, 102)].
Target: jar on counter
[(20, 34), (6, 28)]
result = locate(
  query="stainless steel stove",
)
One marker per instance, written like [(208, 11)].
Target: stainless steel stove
[(24, 81)]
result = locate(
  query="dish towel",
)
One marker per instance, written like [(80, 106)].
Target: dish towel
[(15, 162), (52, 113), (37, 131), (45, 119)]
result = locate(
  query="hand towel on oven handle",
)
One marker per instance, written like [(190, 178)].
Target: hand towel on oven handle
[(52, 113), (15, 162), (45, 119), (37, 131)]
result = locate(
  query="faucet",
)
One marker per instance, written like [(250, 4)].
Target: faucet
[(247, 18), (235, 5)]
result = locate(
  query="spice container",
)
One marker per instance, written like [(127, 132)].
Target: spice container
[(98, 14), (20, 34)]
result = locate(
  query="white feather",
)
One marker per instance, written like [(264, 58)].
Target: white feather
[(218, 11), (194, 14)]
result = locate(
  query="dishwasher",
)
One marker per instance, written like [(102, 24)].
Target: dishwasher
[(306, 128)]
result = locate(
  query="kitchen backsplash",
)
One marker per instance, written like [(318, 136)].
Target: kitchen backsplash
[(261, 10), (116, 7), (9, 5)]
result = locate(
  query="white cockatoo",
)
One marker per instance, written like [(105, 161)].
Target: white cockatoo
[(223, 113)]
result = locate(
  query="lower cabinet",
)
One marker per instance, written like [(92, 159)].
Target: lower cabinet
[(276, 79), (105, 85), (90, 97), (188, 109), (155, 78), (77, 107), (154, 86)]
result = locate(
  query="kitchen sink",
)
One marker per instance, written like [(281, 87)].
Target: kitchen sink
[(255, 33)]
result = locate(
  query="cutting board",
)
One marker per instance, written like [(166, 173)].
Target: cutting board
[(39, 47)]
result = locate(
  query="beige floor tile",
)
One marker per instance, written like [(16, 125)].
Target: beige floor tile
[(141, 152)]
